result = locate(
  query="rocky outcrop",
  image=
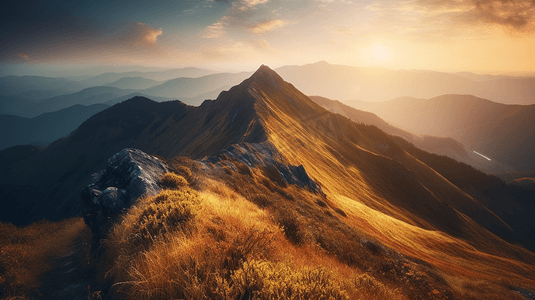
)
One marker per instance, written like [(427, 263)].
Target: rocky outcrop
[(266, 155), (129, 174)]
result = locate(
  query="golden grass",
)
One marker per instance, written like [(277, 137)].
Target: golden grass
[(26, 253), (356, 167), (231, 249)]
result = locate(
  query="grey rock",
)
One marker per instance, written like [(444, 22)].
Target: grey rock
[(129, 174), (113, 199), (266, 155)]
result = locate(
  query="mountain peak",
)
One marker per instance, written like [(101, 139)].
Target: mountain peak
[(265, 75)]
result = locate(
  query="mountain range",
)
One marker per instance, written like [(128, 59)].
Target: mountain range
[(46, 128), (349, 84), (263, 108), (421, 209)]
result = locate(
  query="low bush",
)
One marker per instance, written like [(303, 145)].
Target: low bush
[(277, 280), (173, 181), (291, 227), (168, 211)]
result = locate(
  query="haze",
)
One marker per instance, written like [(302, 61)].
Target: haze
[(493, 36)]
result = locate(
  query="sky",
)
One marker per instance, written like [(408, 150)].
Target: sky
[(481, 36)]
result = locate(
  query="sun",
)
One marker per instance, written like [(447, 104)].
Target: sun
[(380, 53)]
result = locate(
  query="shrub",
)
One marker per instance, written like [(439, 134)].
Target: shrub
[(173, 181), (184, 171), (269, 280), (291, 227), (168, 211), (262, 200)]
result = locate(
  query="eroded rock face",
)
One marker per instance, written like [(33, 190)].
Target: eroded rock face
[(129, 174)]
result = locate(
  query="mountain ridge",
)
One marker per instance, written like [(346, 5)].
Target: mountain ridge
[(373, 183)]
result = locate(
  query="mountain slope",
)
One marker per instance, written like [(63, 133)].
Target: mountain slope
[(44, 128), (502, 132), (434, 144)]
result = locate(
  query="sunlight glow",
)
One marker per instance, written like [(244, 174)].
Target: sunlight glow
[(380, 53)]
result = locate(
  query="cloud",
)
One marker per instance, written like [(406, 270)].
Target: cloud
[(138, 34), (150, 35), (237, 17), (251, 3), (517, 15), (215, 30), (266, 26), (260, 45)]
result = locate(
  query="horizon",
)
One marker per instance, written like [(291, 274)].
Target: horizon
[(495, 37)]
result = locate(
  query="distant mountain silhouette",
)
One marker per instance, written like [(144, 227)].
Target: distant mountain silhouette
[(45, 128), (505, 133), (180, 88), (348, 83), (134, 83), (135, 94), (107, 78), (88, 96), (350, 161), (26, 85)]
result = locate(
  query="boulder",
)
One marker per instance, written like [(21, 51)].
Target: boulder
[(129, 174)]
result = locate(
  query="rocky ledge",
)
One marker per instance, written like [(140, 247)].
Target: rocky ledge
[(266, 155)]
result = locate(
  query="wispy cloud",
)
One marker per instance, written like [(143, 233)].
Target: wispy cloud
[(215, 30), (266, 26), (239, 16)]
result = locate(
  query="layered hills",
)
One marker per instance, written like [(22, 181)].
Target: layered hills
[(446, 146), (46, 128), (347, 83), (501, 132), (444, 215)]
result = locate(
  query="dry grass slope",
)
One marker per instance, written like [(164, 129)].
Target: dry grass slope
[(231, 248)]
